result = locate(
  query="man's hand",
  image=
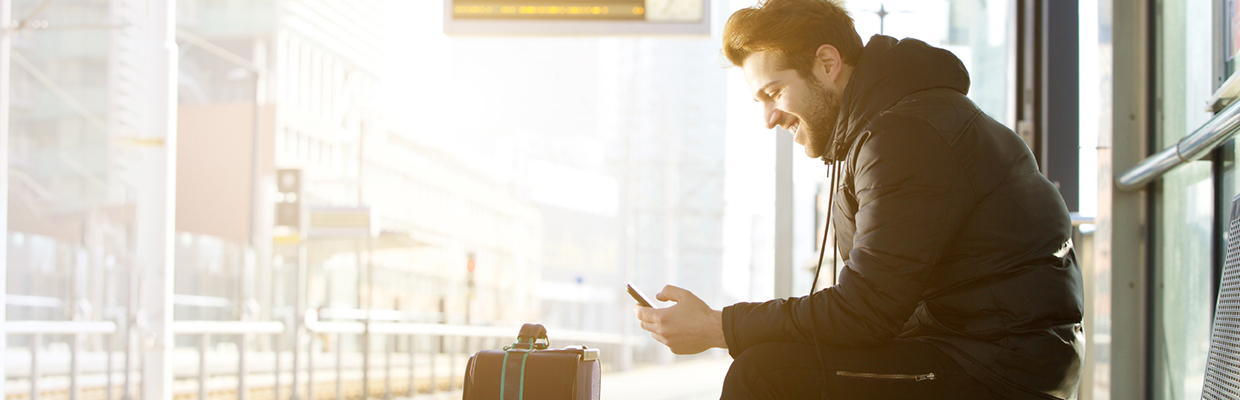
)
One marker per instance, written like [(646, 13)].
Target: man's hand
[(689, 327)]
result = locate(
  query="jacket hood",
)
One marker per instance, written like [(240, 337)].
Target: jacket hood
[(887, 71)]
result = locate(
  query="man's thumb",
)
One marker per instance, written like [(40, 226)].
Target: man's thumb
[(671, 293)]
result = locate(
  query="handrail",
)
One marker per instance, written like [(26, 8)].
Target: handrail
[(1223, 126), (313, 324), (335, 327), (226, 327), (57, 327), (39, 328), (207, 328), (444, 330), (376, 314), (397, 328), (412, 328)]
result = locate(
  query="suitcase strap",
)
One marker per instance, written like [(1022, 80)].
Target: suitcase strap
[(513, 387), (532, 337)]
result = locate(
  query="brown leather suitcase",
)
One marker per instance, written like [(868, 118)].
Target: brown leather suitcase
[(529, 370)]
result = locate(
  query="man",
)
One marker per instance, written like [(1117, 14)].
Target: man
[(959, 278)]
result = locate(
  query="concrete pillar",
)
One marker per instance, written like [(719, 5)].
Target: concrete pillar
[(6, 18), (156, 202), (783, 214)]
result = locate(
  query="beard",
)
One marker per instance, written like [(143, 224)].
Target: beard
[(818, 122)]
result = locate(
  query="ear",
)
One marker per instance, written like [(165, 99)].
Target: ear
[(831, 65)]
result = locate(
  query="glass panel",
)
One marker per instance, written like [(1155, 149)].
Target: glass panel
[(1096, 77), (1182, 295), (1182, 273), (1231, 16), (979, 32)]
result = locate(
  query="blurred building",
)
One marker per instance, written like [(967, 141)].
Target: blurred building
[(263, 87), (432, 218), (623, 155), (69, 198)]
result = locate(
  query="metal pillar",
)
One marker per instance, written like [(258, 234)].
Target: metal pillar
[(1062, 137), (156, 201), (366, 333), (299, 312), (783, 214), (671, 216), (1122, 238), (1029, 76), (6, 17), (1048, 90), (260, 242), (629, 240)]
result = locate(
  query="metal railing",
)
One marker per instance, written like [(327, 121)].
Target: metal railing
[(243, 329), (463, 339), (411, 331), (1223, 126), (37, 329)]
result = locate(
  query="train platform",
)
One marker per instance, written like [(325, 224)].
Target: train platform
[(686, 380)]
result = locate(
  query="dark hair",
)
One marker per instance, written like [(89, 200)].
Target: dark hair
[(793, 29)]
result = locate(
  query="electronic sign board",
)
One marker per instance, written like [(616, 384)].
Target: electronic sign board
[(576, 17)]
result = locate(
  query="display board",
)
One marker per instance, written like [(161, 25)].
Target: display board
[(576, 17)]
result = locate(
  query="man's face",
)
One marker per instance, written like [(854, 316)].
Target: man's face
[(807, 108)]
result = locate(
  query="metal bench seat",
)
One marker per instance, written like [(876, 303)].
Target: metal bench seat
[(1222, 379)]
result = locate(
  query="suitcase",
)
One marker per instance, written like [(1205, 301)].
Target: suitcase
[(528, 370)]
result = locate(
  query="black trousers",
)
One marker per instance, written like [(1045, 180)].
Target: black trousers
[(904, 369)]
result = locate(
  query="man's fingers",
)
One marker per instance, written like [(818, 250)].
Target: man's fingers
[(646, 313), (659, 337), (672, 293), (648, 317), (642, 312)]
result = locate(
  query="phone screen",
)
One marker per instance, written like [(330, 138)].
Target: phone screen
[(642, 300)]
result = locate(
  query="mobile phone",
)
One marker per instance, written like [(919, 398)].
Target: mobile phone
[(642, 300)]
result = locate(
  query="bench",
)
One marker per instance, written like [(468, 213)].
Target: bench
[(1223, 364)]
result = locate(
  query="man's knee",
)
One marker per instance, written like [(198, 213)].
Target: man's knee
[(759, 359), (773, 370)]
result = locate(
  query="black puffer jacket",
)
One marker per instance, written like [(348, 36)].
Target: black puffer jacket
[(948, 232)]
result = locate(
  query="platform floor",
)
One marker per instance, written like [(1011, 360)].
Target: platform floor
[(685, 380)]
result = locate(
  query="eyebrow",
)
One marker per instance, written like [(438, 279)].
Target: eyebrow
[(762, 90)]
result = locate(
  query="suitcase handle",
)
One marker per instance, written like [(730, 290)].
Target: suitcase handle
[(530, 336)]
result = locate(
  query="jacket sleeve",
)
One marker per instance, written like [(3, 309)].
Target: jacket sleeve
[(912, 197)]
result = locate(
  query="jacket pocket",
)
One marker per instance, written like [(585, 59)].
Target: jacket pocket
[(890, 377)]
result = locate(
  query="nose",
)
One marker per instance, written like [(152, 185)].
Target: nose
[(773, 116)]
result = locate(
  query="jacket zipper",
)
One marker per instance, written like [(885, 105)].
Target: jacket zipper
[(916, 378)]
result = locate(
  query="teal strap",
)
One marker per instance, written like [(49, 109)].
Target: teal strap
[(521, 395), (503, 372), (527, 341), (517, 386)]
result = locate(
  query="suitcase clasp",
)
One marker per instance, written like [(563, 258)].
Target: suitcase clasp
[(587, 354)]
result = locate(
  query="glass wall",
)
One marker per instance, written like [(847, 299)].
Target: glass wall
[(1184, 229), (980, 32)]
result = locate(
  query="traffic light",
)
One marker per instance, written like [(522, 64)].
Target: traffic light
[(470, 266), (288, 197)]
